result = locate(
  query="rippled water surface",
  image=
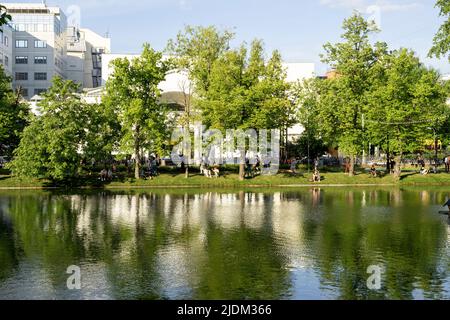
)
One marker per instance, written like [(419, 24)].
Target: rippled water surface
[(289, 244)]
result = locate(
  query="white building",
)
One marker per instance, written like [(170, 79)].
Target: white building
[(39, 46), (179, 81), (298, 72), (85, 49), (6, 49), (175, 81)]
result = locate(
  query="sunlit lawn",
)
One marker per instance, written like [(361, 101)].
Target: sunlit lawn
[(409, 177)]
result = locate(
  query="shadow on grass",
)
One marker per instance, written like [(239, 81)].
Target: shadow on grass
[(408, 174), (290, 175)]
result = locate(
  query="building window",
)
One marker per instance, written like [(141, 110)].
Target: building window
[(21, 60), (40, 60), (6, 41), (21, 76), (40, 44), (39, 91), (40, 76), (21, 43), (6, 61), (20, 27)]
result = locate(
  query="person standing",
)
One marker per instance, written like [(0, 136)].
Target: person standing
[(294, 166)]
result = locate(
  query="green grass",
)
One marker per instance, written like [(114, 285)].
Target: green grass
[(14, 182), (177, 180)]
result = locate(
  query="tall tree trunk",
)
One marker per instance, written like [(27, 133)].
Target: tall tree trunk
[(241, 171), (351, 171), (388, 163), (388, 158), (137, 151), (187, 172), (398, 166)]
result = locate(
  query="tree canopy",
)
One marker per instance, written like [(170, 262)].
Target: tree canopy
[(234, 88), (376, 96), (4, 16), (66, 133), (344, 98), (407, 101), (441, 42), (132, 93), (13, 116)]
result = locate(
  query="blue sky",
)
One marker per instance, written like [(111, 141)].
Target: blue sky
[(297, 28)]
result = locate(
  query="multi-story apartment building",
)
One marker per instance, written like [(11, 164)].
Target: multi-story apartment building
[(39, 46), (85, 49), (6, 48)]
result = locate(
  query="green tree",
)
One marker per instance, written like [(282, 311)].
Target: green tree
[(246, 92), (270, 99), (196, 49), (4, 16), (405, 101), (133, 92), (441, 42), (57, 141), (344, 98), (307, 99), (102, 134), (233, 88), (13, 115)]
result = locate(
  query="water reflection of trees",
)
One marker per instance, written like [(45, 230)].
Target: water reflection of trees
[(8, 254), (153, 246), (231, 245), (408, 241)]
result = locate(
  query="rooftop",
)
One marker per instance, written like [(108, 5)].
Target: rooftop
[(20, 8)]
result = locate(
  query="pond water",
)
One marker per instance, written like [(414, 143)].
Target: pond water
[(256, 244)]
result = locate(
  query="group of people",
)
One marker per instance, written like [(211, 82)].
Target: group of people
[(251, 170), (149, 169), (106, 175), (424, 171), (208, 171), (294, 162), (420, 164)]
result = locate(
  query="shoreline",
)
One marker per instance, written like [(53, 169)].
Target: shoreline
[(230, 181), (224, 187), (293, 186)]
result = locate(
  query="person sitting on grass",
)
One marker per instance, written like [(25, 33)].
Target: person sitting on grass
[(103, 175), (316, 175), (373, 171), (216, 171), (424, 171), (256, 169)]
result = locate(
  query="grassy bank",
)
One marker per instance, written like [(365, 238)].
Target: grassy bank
[(174, 180)]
